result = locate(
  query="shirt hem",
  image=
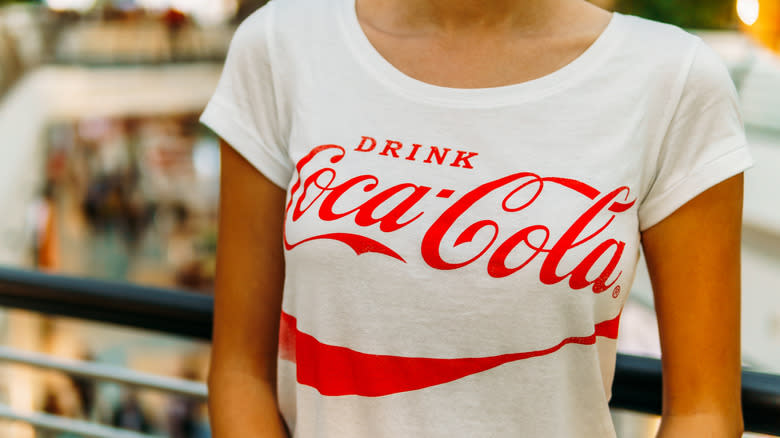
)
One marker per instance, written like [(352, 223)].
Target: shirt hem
[(221, 119), (712, 173)]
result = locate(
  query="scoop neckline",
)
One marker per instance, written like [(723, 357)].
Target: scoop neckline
[(413, 88)]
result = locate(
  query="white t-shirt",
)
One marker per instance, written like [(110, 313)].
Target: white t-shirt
[(457, 259)]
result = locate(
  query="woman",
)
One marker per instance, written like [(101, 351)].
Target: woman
[(443, 201)]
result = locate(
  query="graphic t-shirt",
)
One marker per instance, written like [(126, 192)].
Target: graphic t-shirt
[(457, 259)]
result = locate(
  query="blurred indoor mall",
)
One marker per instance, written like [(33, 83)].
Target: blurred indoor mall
[(106, 176)]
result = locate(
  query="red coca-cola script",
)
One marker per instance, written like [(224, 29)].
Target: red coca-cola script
[(320, 184)]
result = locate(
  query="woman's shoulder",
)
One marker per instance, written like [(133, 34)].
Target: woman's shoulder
[(291, 15), (671, 53), (655, 34), (655, 41), (284, 25), (252, 34)]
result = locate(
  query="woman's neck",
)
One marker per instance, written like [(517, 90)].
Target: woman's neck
[(460, 15)]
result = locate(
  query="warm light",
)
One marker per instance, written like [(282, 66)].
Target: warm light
[(747, 11), (74, 5)]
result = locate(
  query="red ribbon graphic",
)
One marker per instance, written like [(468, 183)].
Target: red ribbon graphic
[(333, 370)]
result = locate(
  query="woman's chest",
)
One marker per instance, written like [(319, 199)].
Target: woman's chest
[(471, 197), (476, 214)]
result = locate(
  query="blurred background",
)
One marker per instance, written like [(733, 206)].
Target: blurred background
[(106, 174)]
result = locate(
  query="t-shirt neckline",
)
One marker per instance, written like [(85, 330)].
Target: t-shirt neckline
[(416, 89)]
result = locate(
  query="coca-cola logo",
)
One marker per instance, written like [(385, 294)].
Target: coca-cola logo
[(316, 192)]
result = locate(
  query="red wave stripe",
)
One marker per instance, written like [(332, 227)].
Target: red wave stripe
[(333, 370)]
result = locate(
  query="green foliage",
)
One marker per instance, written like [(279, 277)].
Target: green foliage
[(692, 14)]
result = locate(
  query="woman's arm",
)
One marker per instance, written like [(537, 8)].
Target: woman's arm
[(247, 303), (693, 257)]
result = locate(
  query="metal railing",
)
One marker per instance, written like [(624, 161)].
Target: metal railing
[(165, 311), (54, 423), (637, 384), (94, 371), (107, 373)]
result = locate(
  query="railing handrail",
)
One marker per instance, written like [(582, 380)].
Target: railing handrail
[(637, 384), (105, 372), (55, 423), (169, 311)]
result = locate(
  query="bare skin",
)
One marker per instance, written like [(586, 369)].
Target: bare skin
[(247, 303), (476, 44), (693, 257), (485, 44)]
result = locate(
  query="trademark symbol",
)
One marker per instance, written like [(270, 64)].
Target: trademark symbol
[(616, 291)]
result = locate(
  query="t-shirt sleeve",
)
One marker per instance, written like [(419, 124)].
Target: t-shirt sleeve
[(244, 110), (704, 144)]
